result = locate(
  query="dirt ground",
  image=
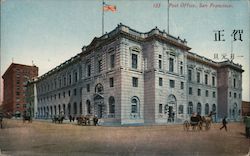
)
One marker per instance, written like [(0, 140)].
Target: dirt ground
[(43, 138)]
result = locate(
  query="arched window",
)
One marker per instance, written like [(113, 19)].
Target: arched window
[(199, 108), (134, 104), (111, 104), (214, 108), (55, 110), (75, 108), (180, 109), (44, 111), (190, 108), (63, 108), (69, 108), (51, 111), (88, 107), (80, 107), (206, 109), (59, 109)]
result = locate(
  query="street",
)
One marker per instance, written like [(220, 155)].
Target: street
[(45, 138)]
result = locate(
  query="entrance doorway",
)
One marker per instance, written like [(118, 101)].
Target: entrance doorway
[(172, 106), (99, 106)]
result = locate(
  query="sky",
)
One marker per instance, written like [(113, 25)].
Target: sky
[(49, 32)]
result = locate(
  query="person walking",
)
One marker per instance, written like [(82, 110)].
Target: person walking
[(224, 124)]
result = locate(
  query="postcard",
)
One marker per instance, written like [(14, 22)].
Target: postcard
[(125, 77)]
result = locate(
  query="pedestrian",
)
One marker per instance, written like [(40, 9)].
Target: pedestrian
[(73, 118), (224, 123), (70, 118)]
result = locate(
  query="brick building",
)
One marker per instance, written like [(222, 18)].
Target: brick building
[(15, 79)]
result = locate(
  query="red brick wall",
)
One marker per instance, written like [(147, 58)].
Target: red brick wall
[(15, 79)]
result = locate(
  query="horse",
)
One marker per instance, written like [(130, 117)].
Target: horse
[(27, 118), (58, 119), (207, 120)]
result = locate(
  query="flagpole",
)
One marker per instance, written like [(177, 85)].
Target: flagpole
[(168, 16), (102, 17)]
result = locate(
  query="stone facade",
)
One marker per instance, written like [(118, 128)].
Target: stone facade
[(129, 77)]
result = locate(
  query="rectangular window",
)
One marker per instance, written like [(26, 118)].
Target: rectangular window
[(160, 108), (190, 91), (89, 70), (69, 92), (182, 85), (230, 94), (88, 87), (206, 79), (64, 81), (198, 77), (171, 65), (160, 81), (234, 83), (99, 66), (111, 82), (239, 96), (214, 94), (181, 70), (235, 95), (75, 77), (207, 93), (75, 92), (135, 81), (17, 93), (213, 81), (172, 83), (134, 61), (59, 95), (189, 75), (64, 94), (60, 83), (112, 61), (160, 64), (199, 92), (55, 83), (69, 79)]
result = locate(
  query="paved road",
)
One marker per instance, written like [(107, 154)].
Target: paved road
[(44, 138)]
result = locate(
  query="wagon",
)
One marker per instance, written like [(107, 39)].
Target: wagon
[(87, 120), (195, 122)]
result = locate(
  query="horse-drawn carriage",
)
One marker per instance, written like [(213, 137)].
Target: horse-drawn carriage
[(58, 119), (86, 120), (197, 122)]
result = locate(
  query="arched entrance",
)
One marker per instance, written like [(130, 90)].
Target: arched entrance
[(171, 106), (99, 106)]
